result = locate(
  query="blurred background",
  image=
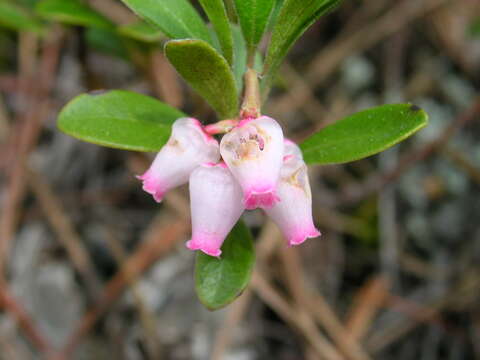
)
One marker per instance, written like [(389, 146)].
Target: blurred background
[(92, 268)]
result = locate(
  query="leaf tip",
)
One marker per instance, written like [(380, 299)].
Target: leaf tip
[(417, 110)]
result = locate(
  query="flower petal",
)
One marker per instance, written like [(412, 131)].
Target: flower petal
[(216, 206), (293, 214), (253, 152), (188, 147)]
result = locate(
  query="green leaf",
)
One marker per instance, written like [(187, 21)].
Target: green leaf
[(363, 134), (294, 19), (276, 10), (17, 18), (217, 14), (253, 16), (28, 3), (474, 28), (106, 41), (240, 56), (72, 12), (207, 72), (141, 31), (178, 19), (218, 282), (119, 119)]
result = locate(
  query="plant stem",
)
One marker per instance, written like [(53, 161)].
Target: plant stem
[(251, 101), (251, 57)]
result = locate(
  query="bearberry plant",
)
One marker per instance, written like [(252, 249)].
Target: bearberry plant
[(243, 161)]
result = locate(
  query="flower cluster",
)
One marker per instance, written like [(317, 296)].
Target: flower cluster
[(253, 167)]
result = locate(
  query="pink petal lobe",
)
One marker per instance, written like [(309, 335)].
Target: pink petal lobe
[(206, 243), (299, 236), (260, 199)]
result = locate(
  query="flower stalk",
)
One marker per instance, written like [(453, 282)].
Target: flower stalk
[(251, 102)]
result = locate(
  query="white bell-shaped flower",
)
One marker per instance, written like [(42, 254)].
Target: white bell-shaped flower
[(216, 205), (253, 152), (293, 214), (188, 147)]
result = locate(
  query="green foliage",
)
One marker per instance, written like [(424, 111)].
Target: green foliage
[(176, 18), (17, 18), (106, 41), (220, 281), (28, 3), (240, 56), (474, 28), (276, 10), (217, 14), (72, 12), (253, 16), (294, 19), (363, 134), (119, 119), (207, 72), (141, 31)]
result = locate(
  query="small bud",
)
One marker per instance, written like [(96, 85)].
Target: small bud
[(293, 214), (216, 205), (188, 147), (253, 152)]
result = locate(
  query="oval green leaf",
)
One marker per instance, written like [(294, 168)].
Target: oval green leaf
[(216, 12), (363, 134), (119, 119), (141, 31), (294, 19), (218, 282), (207, 72), (178, 19), (72, 12), (253, 16), (16, 18)]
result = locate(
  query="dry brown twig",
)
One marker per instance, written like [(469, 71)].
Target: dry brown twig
[(151, 249), (315, 306), (65, 231), (146, 315), (298, 319), (366, 303), (32, 125), (466, 290), (11, 305)]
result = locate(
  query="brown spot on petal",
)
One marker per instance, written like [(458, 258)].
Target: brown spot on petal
[(299, 179), (176, 145)]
